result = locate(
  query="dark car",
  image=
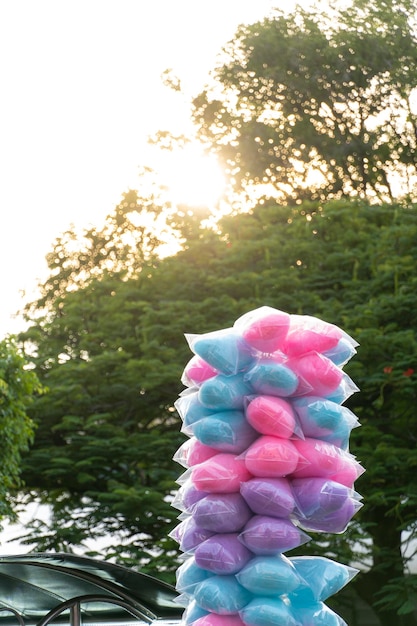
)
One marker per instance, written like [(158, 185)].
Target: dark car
[(38, 589)]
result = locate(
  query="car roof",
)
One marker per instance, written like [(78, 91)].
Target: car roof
[(31, 585)]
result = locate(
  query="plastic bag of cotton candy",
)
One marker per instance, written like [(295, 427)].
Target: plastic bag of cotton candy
[(266, 461)]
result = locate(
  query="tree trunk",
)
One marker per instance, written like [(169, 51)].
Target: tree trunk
[(387, 565)]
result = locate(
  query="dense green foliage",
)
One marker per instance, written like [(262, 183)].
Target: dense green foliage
[(112, 354), (318, 104), (17, 387)]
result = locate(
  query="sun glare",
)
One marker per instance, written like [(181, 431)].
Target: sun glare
[(192, 177)]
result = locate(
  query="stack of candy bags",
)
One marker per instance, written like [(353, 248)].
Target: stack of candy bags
[(266, 462)]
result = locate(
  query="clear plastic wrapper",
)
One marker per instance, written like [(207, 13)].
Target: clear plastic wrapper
[(189, 574), (192, 452), (271, 415), (320, 496), (343, 391), (267, 536), (311, 334), (264, 329), (342, 352), (222, 473), (269, 496), (192, 612), (197, 371), (227, 431), (268, 612), (269, 576), (272, 457), (322, 459), (222, 595), (222, 553), (222, 513), (271, 377), (334, 522), (317, 614), (187, 495), (225, 350), (213, 619), (189, 534), (223, 393), (322, 577), (317, 374), (190, 409), (320, 418)]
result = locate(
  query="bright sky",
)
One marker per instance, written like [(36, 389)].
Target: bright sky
[(81, 92)]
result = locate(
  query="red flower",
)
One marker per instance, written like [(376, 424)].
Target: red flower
[(408, 372), (388, 369)]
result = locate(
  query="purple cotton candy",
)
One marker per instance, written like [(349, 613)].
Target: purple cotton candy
[(222, 513), (269, 496), (189, 534), (319, 496), (222, 553), (334, 522), (265, 535)]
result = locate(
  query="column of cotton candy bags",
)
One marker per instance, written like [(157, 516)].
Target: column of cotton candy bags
[(267, 458)]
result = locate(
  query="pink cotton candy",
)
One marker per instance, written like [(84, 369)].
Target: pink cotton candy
[(214, 619), (192, 452), (324, 459), (310, 334), (197, 371), (222, 473), (270, 415), (271, 456), (318, 375), (264, 329)]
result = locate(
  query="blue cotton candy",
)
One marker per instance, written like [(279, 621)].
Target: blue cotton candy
[(269, 576), (323, 419), (268, 612), (190, 409), (321, 578), (221, 594), (224, 393), (272, 378), (227, 431), (316, 614), (342, 352), (225, 350), (192, 613), (189, 574)]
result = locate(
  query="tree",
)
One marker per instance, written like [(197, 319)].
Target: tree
[(318, 104), (112, 354), (18, 385)]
